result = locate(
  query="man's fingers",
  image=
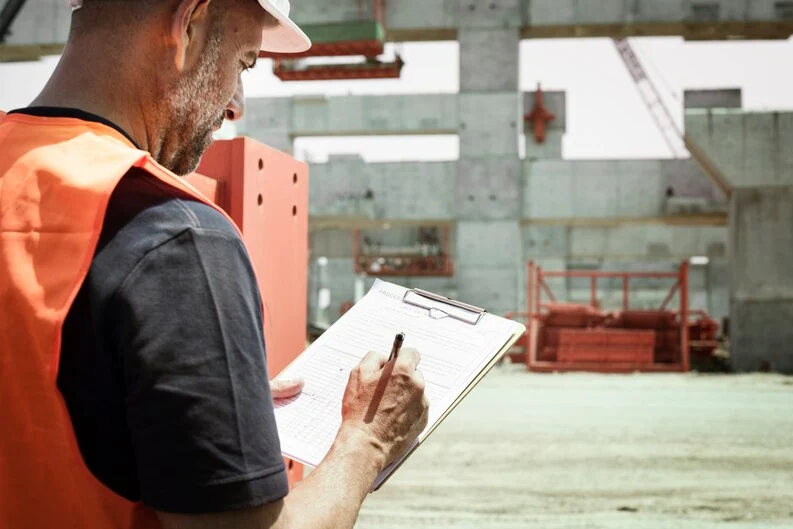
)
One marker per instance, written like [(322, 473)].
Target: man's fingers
[(409, 358), (284, 389), (372, 362)]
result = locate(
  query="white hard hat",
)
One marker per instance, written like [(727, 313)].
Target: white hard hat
[(286, 37)]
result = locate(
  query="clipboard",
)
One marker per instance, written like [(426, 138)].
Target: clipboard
[(466, 343), (391, 470), (442, 307)]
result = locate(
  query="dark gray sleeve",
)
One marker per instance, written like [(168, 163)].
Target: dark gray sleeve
[(199, 407)]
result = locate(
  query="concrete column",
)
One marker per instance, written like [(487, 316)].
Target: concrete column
[(269, 121), (488, 186), (761, 279)]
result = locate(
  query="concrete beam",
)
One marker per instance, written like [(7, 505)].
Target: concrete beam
[(46, 22), (624, 243), (750, 148), (593, 189), (725, 98), (368, 115), (348, 187)]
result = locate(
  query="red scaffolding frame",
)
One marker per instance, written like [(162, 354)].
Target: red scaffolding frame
[(390, 264), (642, 336)]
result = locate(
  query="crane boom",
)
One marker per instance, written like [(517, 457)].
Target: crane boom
[(680, 144)]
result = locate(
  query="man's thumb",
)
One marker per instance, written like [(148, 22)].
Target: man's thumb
[(284, 389)]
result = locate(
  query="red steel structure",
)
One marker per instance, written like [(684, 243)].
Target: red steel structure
[(539, 117), (364, 37), (402, 263), (374, 69), (266, 193), (581, 337)]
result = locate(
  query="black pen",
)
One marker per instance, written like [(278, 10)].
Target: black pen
[(398, 341)]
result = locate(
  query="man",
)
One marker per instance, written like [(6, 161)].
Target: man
[(134, 387)]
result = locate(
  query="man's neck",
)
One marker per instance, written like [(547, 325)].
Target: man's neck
[(96, 86)]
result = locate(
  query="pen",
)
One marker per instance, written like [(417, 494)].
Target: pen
[(398, 341)]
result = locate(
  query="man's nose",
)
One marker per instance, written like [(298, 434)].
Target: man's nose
[(236, 107)]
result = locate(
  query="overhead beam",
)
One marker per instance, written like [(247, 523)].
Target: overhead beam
[(689, 31), (42, 25)]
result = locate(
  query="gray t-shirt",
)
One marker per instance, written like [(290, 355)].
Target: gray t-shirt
[(163, 359)]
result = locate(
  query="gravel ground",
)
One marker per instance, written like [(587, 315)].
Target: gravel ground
[(591, 451)]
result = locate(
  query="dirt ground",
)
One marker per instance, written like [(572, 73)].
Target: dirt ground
[(586, 451)]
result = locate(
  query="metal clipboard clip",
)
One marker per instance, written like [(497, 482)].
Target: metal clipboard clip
[(442, 307)]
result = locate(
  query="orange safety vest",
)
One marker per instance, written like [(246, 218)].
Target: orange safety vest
[(56, 178)]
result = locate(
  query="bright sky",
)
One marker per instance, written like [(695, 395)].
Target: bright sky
[(606, 116)]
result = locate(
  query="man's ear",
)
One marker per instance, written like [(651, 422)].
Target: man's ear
[(190, 26)]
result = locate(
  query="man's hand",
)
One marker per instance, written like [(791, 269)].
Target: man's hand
[(386, 401), (285, 389)]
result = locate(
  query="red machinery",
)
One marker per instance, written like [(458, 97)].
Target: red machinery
[(539, 117), (428, 257), (363, 37), (582, 337), (265, 192)]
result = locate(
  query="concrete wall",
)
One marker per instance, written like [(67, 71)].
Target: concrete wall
[(720, 98), (503, 222), (399, 191), (750, 148), (351, 115), (593, 189), (761, 279), (47, 21)]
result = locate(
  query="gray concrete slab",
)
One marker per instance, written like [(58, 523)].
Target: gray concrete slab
[(655, 11), (45, 21), (322, 12), (552, 12), (545, 241), (654, 242), (721, 98), (488, 244), (548, 189), (490, 287), (601, 12), (761, 244), (687, 179), (748, 147), (374, 115), (489, 124), (761, 283), (550, 149), (488, 13), (640, 188), (331, 243), (761, 336), (488, 188), (595, 188), (487, 60), (762, 10)]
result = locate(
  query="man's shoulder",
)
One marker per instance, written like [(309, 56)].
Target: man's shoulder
[(144, 213), (144, 202)]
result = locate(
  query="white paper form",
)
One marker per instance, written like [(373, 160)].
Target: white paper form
[(453, 354)]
